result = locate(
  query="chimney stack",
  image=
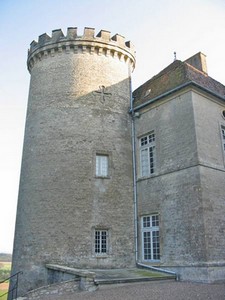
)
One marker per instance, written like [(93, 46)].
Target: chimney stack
[(198, 61)]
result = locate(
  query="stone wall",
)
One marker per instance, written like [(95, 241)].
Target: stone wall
[(187, 188), (59, 289)]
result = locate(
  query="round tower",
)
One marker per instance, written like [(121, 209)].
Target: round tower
[(75, 205)]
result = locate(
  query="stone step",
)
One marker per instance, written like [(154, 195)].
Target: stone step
[(130, 280)]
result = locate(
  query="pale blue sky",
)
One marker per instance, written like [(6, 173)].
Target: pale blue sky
[(157, 28)]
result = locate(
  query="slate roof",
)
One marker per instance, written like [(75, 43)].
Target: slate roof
[(176, 74)]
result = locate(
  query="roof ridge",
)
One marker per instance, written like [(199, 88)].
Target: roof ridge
[(177, 63), (168, 69)]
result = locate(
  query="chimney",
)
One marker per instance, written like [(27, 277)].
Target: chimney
[(198, 61)]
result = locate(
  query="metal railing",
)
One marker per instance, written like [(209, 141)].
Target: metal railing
[(14, 281)]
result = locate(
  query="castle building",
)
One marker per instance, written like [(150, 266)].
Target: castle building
[(109, 180), (179, 118)]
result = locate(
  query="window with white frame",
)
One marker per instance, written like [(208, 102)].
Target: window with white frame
[(147, 154), (102, 165), (223, 138), (150, 237), (101, 241)]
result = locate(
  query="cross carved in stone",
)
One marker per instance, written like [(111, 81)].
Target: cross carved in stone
[(102, 92)]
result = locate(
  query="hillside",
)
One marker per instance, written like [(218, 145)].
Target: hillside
[(5, 257)]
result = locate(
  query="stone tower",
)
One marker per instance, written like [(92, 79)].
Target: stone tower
[(75, 203)]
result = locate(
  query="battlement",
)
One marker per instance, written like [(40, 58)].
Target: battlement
[(101, 44)]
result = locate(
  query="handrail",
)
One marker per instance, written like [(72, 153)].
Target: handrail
[(14, 285)]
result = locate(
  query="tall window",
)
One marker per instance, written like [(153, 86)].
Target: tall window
[(150, 237), (101, 241), (101, 165), (223, 138), (147, 154)]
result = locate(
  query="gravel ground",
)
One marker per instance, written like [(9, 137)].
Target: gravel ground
[(160, 290)]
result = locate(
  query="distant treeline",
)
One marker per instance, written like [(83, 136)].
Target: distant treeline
[(5, 257)]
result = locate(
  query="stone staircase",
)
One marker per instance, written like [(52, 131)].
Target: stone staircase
[(64, 280)]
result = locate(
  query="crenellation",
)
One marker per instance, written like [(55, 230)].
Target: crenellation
[(130, 45), (33, 44), (59, 43), (102, 40), (57, 34), (89, 33), (71, 33), (119, 39), (104, 35), (42, 39)]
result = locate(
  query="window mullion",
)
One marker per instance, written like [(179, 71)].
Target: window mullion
[(100, 242), (151, 244)]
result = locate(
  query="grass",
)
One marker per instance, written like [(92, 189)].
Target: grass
[(5, 265), (2, 292), (148, 273), (5, 268)]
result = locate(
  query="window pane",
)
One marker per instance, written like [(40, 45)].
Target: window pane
[(97, 241), (155, 220), (155, 239), (147, 245), (144, 162), (223, 133), (147, 154), (102, 165), (144, 141), (151, 159), (103, 248), (151, 138), (146, 221)]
